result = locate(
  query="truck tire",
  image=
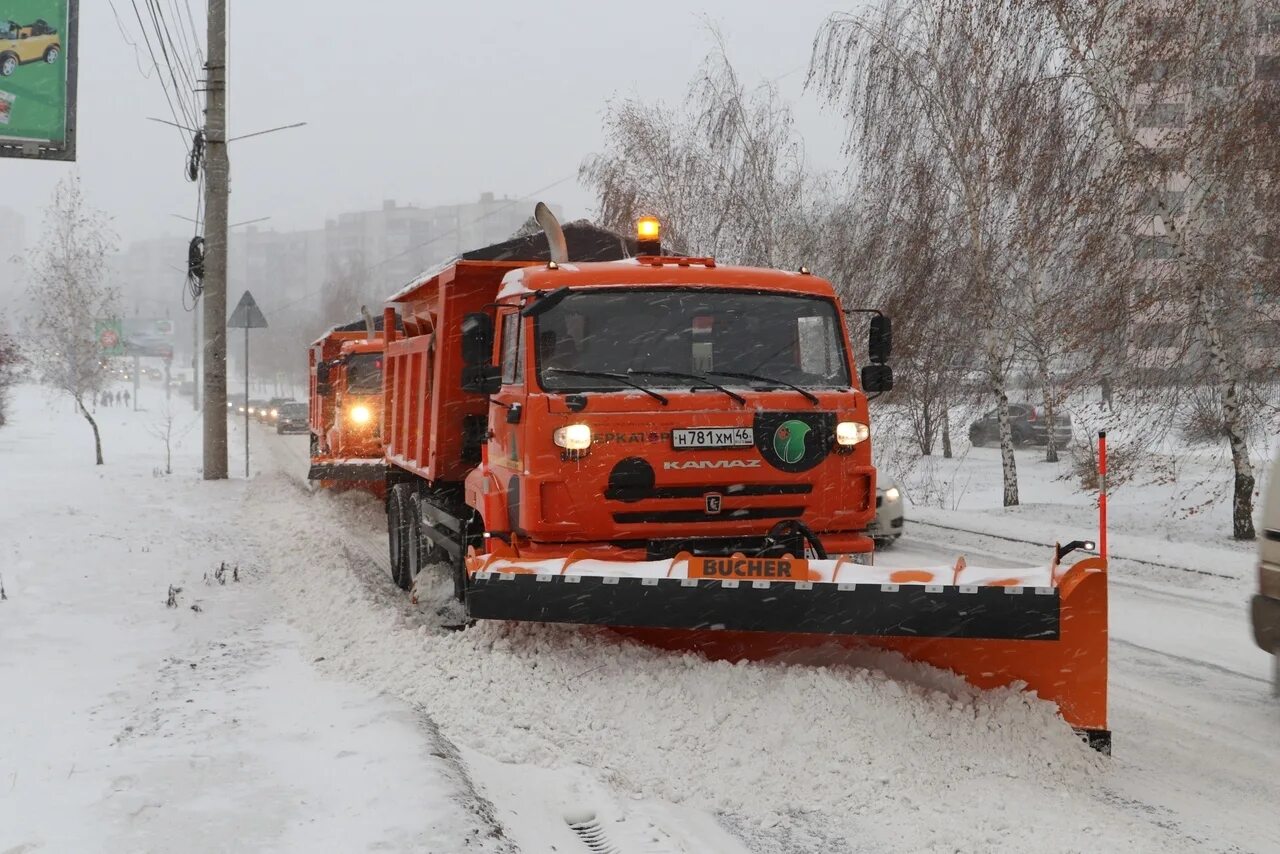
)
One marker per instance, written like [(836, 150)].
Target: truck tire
[(398, 521)]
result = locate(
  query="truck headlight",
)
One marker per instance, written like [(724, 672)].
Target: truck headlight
[(850, 433), (892, 494), (360, 414), (574, 437)]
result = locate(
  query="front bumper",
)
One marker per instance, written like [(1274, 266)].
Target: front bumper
[(1265, 613)]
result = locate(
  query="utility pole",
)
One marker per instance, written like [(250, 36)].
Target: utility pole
[(195, 354), (217, 190)]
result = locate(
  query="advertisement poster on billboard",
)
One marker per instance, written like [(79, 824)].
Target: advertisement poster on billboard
[(38, 50)]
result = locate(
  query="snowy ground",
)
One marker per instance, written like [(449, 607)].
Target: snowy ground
[(311, 707)]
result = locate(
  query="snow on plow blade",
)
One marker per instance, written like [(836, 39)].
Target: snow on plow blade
[(1045, 627)]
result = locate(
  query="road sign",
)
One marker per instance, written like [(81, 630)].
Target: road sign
[(247, 315)]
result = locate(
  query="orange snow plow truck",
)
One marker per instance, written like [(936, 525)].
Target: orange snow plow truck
[(346, 406), (680, 450)]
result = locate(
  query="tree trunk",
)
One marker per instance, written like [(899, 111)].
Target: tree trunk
[(1009, 465), (946, 429), (97, 437), (1046, 383), (1232, 421)]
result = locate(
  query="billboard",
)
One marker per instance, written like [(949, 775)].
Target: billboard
[(38, 50), (148, 337)]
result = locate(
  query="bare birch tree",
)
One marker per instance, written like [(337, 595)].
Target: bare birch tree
[(10, 362), (72, 297), (972, 94), (725, 172), (1185, 97)]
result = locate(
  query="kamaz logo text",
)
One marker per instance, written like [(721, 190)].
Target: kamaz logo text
[(710, 464)]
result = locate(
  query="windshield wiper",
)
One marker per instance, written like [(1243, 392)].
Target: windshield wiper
[(622, 378), (703, 378), (812, 398)]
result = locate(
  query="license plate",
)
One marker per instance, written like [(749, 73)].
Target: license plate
[(713, 437)]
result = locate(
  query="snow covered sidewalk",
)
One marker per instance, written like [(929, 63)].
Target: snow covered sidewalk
[(128, 725)]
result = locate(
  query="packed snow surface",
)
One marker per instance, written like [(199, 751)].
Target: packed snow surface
[(312, 706)]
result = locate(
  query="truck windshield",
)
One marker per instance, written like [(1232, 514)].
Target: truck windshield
[(781, 339), (364, 373)]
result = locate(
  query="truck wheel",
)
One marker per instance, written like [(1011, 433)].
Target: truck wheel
[(398, 521)]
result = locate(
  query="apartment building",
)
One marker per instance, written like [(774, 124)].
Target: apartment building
[(1186, 208)]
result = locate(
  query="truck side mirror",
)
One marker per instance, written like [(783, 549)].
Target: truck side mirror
[(877, 378), (479, 376), (880, 341), (477, 338)]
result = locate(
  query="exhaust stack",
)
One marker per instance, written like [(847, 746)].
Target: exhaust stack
[(555, 234), (370, 327)]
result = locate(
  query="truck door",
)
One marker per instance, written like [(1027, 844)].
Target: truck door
[(506, 417)]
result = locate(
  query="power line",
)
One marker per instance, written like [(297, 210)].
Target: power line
[(183, 94), (156, 65)]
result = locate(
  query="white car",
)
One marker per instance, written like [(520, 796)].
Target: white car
[(887, 526)]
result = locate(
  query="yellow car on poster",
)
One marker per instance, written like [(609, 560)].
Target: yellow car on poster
[(21, 44)]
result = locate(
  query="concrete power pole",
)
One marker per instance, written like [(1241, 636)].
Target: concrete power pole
[(217, 190)]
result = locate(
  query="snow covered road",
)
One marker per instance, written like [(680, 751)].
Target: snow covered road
[(918, 763), (310, 706)]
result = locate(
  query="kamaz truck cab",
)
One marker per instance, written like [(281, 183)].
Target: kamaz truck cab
[(640, 410), (346, 406)]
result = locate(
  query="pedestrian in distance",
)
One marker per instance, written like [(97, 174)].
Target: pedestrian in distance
[(126, 398)]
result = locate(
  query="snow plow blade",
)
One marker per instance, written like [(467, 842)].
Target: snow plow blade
[(348, 471), (1045, 627)]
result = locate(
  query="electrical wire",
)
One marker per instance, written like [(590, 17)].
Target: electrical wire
[(184, 94), (179, 120)]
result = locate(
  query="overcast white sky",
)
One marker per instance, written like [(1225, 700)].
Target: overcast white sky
[(420, 101)]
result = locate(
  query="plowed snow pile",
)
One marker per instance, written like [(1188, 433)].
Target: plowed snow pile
[(897, 757)]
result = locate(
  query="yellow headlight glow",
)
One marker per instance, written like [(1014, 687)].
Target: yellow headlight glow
[(850, 433), (648, 228), (360, 414), (574, 437)]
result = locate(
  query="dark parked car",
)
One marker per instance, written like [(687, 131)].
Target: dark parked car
[(1029, 426), (292, 418)]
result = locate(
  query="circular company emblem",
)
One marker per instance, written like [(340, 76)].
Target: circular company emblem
[(789, 441), (794, 441), (109, 339)]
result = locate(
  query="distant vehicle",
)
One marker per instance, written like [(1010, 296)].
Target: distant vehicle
[(886, 528), (293, 418), (256, 406), (235, 402), (23, 44), (272, 409), (1028, 424), (1266, 604)]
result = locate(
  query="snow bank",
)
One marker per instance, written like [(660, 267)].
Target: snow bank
[(893, 755)]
